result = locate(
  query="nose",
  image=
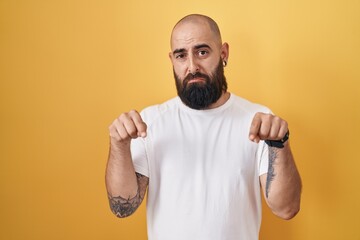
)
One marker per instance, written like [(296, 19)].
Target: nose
[(193, 67)]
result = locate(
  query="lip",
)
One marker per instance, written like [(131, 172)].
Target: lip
[(195, 80)]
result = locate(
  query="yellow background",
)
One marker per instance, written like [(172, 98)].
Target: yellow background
[(69, 67)]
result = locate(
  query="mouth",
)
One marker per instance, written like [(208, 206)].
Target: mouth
[(195, 80)]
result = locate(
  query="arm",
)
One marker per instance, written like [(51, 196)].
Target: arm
[(282, 184), (126, 188)]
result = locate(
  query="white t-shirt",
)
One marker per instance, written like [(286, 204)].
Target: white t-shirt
[(203, 171)]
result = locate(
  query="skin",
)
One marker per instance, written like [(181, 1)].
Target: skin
[(126, 189), (195, 47)]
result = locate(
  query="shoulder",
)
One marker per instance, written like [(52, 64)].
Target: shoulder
[(244, 105), (151, 113)]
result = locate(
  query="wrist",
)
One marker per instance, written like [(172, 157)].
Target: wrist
[(278, 143), (119, 146)]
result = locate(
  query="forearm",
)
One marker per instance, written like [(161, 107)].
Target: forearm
[(120, 174), (126, 189), (122, 182), (283, 183)]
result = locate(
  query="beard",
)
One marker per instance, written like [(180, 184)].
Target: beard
[(200, 95)]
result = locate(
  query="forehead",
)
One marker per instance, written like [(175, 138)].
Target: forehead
[(189, 34)]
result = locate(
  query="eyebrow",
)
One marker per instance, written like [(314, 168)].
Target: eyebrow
[(181, 50), (202, 46)]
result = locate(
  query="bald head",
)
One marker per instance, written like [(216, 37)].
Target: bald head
[(200, 20)]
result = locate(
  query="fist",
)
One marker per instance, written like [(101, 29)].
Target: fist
[(267, 127), (127, 126)]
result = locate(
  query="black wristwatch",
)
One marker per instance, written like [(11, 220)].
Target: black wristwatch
[(278, 143)]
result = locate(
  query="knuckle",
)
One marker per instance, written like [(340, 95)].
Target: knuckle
[(269, 117), (258, 115), (112, 127), (277, 119), (123, 116), (113, 123), (133, 112)]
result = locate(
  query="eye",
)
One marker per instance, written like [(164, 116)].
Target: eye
[(180, 56), (203, 53)]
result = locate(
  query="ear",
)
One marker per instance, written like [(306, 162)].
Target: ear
[(225, 51)]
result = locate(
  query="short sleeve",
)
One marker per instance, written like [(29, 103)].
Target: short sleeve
[(139, 156), (263, 157)]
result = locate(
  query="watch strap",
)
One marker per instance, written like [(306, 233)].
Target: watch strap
[(278, 143)]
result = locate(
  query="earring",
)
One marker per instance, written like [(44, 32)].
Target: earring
[(224, 63)]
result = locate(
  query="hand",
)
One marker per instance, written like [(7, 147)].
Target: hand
[(267, 127), (126, 127)]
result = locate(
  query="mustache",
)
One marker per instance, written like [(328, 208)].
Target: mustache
[(191, 76)]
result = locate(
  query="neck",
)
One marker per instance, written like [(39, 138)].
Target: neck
[(223, 98)]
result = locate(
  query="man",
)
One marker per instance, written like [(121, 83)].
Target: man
[(203, 155)]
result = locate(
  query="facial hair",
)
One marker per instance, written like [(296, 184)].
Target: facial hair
[(200, 95)]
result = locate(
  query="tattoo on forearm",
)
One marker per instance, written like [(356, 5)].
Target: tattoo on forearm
[(123, 207), (271, 172)]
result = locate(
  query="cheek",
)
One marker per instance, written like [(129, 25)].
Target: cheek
[(210, 66), (180, 71)]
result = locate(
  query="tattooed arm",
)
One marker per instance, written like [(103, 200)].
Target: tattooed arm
[(123, 207), (282, 184), (126, 188)]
